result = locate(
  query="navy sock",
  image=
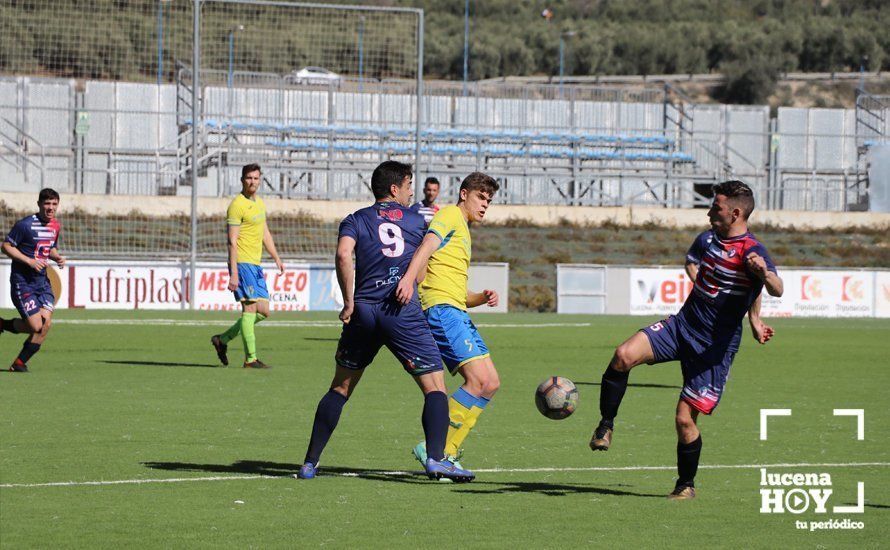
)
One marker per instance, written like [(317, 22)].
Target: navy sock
[(687, 462), (8, 325), (435, 423), (612, 390), (326, 417), (28, 351)]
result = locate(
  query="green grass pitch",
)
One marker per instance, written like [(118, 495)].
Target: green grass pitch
[(143, 399)]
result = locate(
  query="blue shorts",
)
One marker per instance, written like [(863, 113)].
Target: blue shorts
[(251, 284), (29, 298), (402, 329), (705, 367), (458, 340)]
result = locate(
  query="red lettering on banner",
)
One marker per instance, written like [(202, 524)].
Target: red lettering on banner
[(675, 292)]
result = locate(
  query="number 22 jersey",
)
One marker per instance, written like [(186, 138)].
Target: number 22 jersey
[(386, 235)]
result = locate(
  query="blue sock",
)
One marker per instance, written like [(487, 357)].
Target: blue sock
[(435, 423), (326, 417), (482, 402)]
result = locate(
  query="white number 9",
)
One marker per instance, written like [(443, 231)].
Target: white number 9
[(391, 235)]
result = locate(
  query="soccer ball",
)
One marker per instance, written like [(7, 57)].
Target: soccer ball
[(556, 397)]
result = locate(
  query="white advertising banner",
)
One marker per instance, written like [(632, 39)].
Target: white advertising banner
[(123, 286), (658, 291), (882, 294), (808, 293), (288, 291), (822, 293)]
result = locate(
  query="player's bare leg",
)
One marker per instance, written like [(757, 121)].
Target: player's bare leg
[(688, 451), (634, 351)]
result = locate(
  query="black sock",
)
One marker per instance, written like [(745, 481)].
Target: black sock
[(326, 417), (435, 423), (8, 325), (611, 393), (687, 462), (28, 351)]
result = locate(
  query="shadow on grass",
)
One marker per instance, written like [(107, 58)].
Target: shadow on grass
[(282, 469), (313, 339), (549, 489), (667, 386), (160, 364)]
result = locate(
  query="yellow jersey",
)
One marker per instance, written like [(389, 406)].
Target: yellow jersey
[(250, 215), (449, 266)]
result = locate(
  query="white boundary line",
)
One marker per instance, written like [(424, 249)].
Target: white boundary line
[(482, 470), (274, 324)]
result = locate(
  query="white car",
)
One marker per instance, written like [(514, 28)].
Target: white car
[(313, 75)]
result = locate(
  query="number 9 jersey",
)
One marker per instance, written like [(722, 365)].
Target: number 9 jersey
[(386, 235)]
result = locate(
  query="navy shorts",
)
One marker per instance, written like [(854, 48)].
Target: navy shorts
[(705, 368), (251, 283), (402, 329), (30, 298)]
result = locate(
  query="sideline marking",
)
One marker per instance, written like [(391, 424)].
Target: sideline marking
[(481, 470), (277, 324)]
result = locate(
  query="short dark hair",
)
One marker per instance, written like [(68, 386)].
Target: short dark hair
[(477, 181), (431, 179), (46, 194), (387, 174), (248, 168), (739, 195)]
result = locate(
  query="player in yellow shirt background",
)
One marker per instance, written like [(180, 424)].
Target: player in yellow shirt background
[(247, 234), (441, 267)]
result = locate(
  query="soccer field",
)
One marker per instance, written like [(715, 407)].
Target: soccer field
[(128, 433)]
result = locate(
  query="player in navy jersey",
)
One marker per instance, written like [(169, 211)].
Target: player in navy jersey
[(428, 207), (383, 237), (730, 267), (31, 244)]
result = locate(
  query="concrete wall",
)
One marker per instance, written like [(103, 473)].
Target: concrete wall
[(543, 215)]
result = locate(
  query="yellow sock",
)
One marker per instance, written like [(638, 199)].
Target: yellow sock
[(456, 435)]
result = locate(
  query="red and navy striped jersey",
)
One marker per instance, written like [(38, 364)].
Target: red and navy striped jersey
[(426, 211), (724, 288), (386, 235), (34, 239)]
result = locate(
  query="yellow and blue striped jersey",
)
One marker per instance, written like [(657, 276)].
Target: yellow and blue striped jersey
[(250, 215), (449, 266)]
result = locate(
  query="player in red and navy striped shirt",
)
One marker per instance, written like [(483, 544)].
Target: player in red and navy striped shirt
[(31, 244), (730, 267), (428, 207)]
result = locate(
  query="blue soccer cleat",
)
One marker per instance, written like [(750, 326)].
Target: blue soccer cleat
[(445, 469), (307, 471)]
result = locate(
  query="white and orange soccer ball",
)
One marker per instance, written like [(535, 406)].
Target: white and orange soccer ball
[(556, 397)]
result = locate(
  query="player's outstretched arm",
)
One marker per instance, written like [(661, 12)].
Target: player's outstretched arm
[(345, 275), (232, 246), (269, 243), (760, 330), (417, 268), (475, 299), (773, 283), (16, 255)]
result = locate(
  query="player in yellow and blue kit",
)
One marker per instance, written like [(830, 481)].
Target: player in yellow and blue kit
[(442, 265), (247, 235)]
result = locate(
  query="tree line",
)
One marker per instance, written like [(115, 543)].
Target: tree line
[(751, 42)]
